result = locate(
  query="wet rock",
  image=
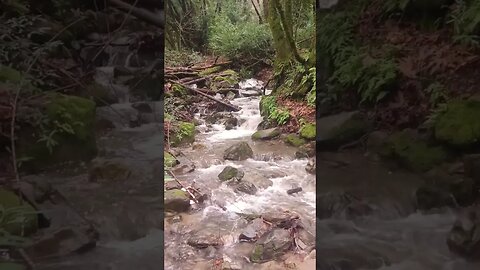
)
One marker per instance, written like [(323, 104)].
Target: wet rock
[(62, 242), (239, 151), (311, 166), (184, 165), (205, 238), (266, 124), (294, 140), (118, 114), (461, 191), (230, 95), (259, 180), (341, 204), (294, 190), (176, 200), (245, 187), (308, 131), (464, 237), (253, 231), (412, 152), (231, 173), (429, 197), (335, 130), (306, 151), (22, 219), (108, 169), (271, 246), (172, 184), (101, 94), (458, 126), (266, 134), (279, 216), (231, 123)]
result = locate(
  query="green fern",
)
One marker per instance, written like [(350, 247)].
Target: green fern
[(465, 20)]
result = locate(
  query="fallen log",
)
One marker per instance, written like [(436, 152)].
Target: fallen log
[(228, 105)]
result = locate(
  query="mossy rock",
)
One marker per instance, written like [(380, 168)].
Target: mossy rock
[(168, 160), (20, 218), (266, 134), (176, 200), (257, 254), (184, 133), (412, 152), (229, 173), (459, 126), (338, 129), (308, 131), (76, 113), (294, 140), (227, 79)]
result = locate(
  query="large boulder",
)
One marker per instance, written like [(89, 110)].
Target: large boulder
[(412, 152), (246, 187), (239, 151), (335, 130), (176, 200), (266, 134), (442, 189), (231, 173), (458, 126), (464, 237), (205, 238), (19, 218), (271, 246)]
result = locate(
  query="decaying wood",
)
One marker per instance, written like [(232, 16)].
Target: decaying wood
[(228, 105)]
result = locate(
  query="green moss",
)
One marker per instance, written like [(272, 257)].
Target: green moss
[(11, 75), (413, 153), (19, 217), (294, 140), (459, 125), (168, 160), (308, 131), (209, 71), (184, 133), (62, 112), (257, 254), (179, 90)]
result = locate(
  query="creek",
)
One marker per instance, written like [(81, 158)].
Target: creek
[(273, 169)]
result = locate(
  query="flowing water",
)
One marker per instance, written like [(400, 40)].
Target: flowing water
[(273, 161), (392, 235)]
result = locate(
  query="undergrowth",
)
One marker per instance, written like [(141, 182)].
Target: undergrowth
[(270, 108)]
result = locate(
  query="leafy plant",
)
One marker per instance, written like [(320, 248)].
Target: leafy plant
[(465, 19), (437, 93), (270, 108)]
